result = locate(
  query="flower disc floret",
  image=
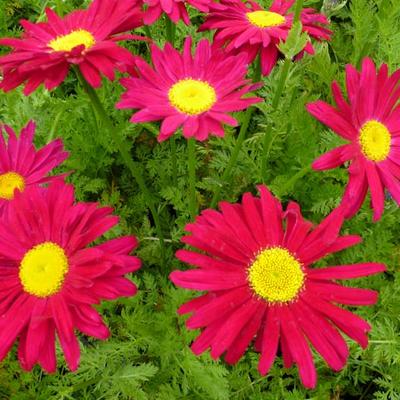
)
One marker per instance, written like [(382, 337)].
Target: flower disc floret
[(42, 270), (276, 275), (192, 96), (71, 40), (375, 140), (9, 182), (265, 19)]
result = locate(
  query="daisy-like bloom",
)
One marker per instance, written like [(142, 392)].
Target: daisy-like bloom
[(174, 9), (50, 278), (256, 265), (195, 92), (370, 121), (86, 38), (247, 27), (22, 166)]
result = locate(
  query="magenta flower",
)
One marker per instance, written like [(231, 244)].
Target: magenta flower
[(370, 121), (85, 38), (254, 260), (247, 27), (196, 92), (51, 278), (22, 166), (174, 9)]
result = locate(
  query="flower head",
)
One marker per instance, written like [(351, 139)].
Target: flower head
[(256, 266), (174, 9), (50, 278), (369, 120), (85, 38), (195, 92), (247, 27), (21, 166)]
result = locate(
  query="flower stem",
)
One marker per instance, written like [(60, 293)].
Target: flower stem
[(116, 135), (277, 96), (297, 10), (172, 142), (171, 29), (257, 70), (275, 101), (289, 184), (147, 31), (226, 176), (191, 146)]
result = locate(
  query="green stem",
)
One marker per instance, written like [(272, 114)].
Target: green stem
[(291, 182), (281, 83), (275, 101), (148, 31), (171, 29), (172, 142), (55, 124), (257, 70), (192, 176), (226, 176), (297, 10), (277, 96), (123, 147)]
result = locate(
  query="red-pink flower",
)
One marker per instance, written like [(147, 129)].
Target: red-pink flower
[(174, 9), (85, 38), (195, 92), (22, 166), (370, 121), (255, 262), (50, 277), (247, 27)]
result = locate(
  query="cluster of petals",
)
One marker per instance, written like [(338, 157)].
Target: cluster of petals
[(370, 121), (50, 217), (236, 33), (175, 9), (21, 165), (224, 76), (231, 314), (85, 38)]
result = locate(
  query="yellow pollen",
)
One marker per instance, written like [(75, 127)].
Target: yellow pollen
[(375, 140), (192, 96), (73, 39), (276, 275), (9, 182), (265, 19), (42, 270)]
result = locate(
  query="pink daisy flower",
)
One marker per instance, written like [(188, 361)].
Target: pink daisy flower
[(85, 38), (256, 266), (50, 278), (195, 92), (247, 27), (370, 121), (22, 166), (174, 9)]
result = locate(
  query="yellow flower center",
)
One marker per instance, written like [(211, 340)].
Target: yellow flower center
[(276, 275), (8, 183), (375, 140), (73, 39), (265, 19), (42, 270), (192, 96)]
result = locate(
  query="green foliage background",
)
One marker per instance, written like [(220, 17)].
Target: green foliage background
[(148, 356)]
